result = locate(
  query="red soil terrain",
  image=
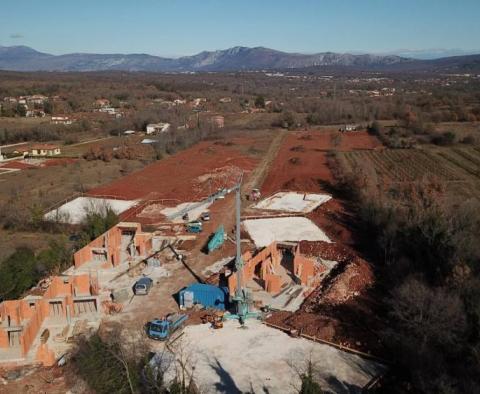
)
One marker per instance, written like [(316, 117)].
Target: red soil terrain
[(178, 177), (333, 310), (301, 163), (340, 309)]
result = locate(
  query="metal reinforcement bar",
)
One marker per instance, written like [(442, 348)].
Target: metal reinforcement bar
[(336, 345)]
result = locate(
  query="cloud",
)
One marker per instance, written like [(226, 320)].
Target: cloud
[(16, 36)]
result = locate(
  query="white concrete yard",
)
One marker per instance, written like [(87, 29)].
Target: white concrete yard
[(261, 359), (293, 202), (265, 231), (74, 211)]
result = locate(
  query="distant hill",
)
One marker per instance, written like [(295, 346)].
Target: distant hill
[(22, 58)]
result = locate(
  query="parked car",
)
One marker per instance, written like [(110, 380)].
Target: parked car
[(205, 216), (143, 286)]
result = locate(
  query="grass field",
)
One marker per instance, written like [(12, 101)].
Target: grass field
[(458, 167)]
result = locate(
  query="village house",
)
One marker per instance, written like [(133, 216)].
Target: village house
[(157, 128), (44, 150), (101, 103), (35, 113), (36, 99), (217, 121), (61, 120), (349, 127)]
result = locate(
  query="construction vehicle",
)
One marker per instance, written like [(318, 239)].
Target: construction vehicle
[(254, 195), (162, 329), (194, 227), (217, 240)]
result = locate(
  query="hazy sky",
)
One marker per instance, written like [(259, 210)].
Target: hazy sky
[(184, 27)]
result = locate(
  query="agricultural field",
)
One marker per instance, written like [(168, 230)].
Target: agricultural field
[(457, 167)]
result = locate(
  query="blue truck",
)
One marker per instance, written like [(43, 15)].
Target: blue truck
[(194, 227), (162, 329)]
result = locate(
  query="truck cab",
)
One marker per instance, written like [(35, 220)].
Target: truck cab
[(159, 329), (194, 227), (162, 329)]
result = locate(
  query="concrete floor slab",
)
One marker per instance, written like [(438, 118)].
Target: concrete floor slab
[(265, 231), (75, 211), (262, 359), (293, 202)]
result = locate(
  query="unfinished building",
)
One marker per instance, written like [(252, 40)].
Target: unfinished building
[(125, 242), (274, 267), (27, 326)]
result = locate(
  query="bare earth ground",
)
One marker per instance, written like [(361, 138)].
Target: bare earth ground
[(268, 165)]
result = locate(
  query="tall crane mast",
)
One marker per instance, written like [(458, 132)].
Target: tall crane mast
[(240, 297)]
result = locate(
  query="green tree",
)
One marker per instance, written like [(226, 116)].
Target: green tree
[(106, 366), (21, 110), (260, 102), (56, 258), (309, 386), (96, 223), (48, 107), (18, 273)]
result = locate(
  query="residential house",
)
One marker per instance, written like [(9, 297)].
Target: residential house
[(36, 99), (101, 103), (157, 128), (349, 127), (217, 121), (44, 150), (65, 120)]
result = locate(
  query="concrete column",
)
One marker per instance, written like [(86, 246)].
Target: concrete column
[(69, 319)]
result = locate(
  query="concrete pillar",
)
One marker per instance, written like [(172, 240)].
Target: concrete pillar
[(69, 318)]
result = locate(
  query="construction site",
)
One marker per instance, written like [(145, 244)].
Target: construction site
[(222, 240)]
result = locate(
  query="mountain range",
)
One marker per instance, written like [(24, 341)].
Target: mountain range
[(23, 58)]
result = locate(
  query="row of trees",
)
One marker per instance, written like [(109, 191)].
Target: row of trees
[(427, 255)]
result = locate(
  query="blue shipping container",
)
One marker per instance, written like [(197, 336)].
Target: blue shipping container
[(208, 295)]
